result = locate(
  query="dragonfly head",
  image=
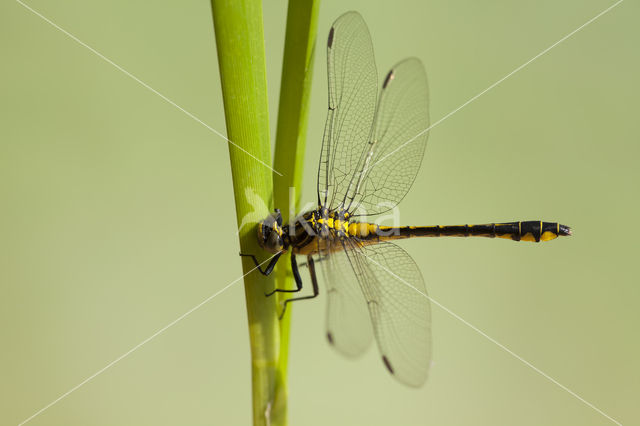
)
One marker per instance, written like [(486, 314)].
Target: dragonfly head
[(270, 233)]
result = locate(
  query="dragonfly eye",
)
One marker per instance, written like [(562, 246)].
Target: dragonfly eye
[(274, 242), (270, 233)]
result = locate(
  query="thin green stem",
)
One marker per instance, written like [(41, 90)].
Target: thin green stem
[(241, 57)]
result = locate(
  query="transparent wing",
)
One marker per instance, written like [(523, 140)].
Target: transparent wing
[(400, 313), (353, 81), (399, 139), (348, 324)]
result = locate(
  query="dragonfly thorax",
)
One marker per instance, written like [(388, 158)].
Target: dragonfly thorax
[(325, 223)]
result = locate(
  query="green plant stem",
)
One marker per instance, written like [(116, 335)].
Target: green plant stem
[(241, 57), (297, 70)]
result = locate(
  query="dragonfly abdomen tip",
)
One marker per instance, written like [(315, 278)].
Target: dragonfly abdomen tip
[(565, 230)]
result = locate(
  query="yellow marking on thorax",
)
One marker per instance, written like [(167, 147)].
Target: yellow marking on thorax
[(338, 225), (341, 225)]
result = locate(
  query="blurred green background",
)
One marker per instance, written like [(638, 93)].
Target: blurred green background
[(117, 216)]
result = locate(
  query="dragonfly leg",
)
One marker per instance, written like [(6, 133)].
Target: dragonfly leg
[(322, 258), (296, 277), (270, 266), (314, 283)]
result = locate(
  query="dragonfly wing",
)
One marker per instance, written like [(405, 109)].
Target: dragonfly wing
[(398, 142), (398, 306), (348, 324), (352, 81)]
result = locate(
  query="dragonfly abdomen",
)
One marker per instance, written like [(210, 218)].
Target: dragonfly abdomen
[(533, 230)]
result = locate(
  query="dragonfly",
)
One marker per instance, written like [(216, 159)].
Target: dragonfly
[(373, 146)]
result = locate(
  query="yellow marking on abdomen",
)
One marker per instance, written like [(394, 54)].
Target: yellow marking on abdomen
[(362, 229)]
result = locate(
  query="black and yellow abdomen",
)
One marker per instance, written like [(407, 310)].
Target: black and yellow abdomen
[(533, 230), (316, 233)]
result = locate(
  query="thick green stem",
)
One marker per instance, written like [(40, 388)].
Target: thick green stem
[(297, 67), (241, 57)]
